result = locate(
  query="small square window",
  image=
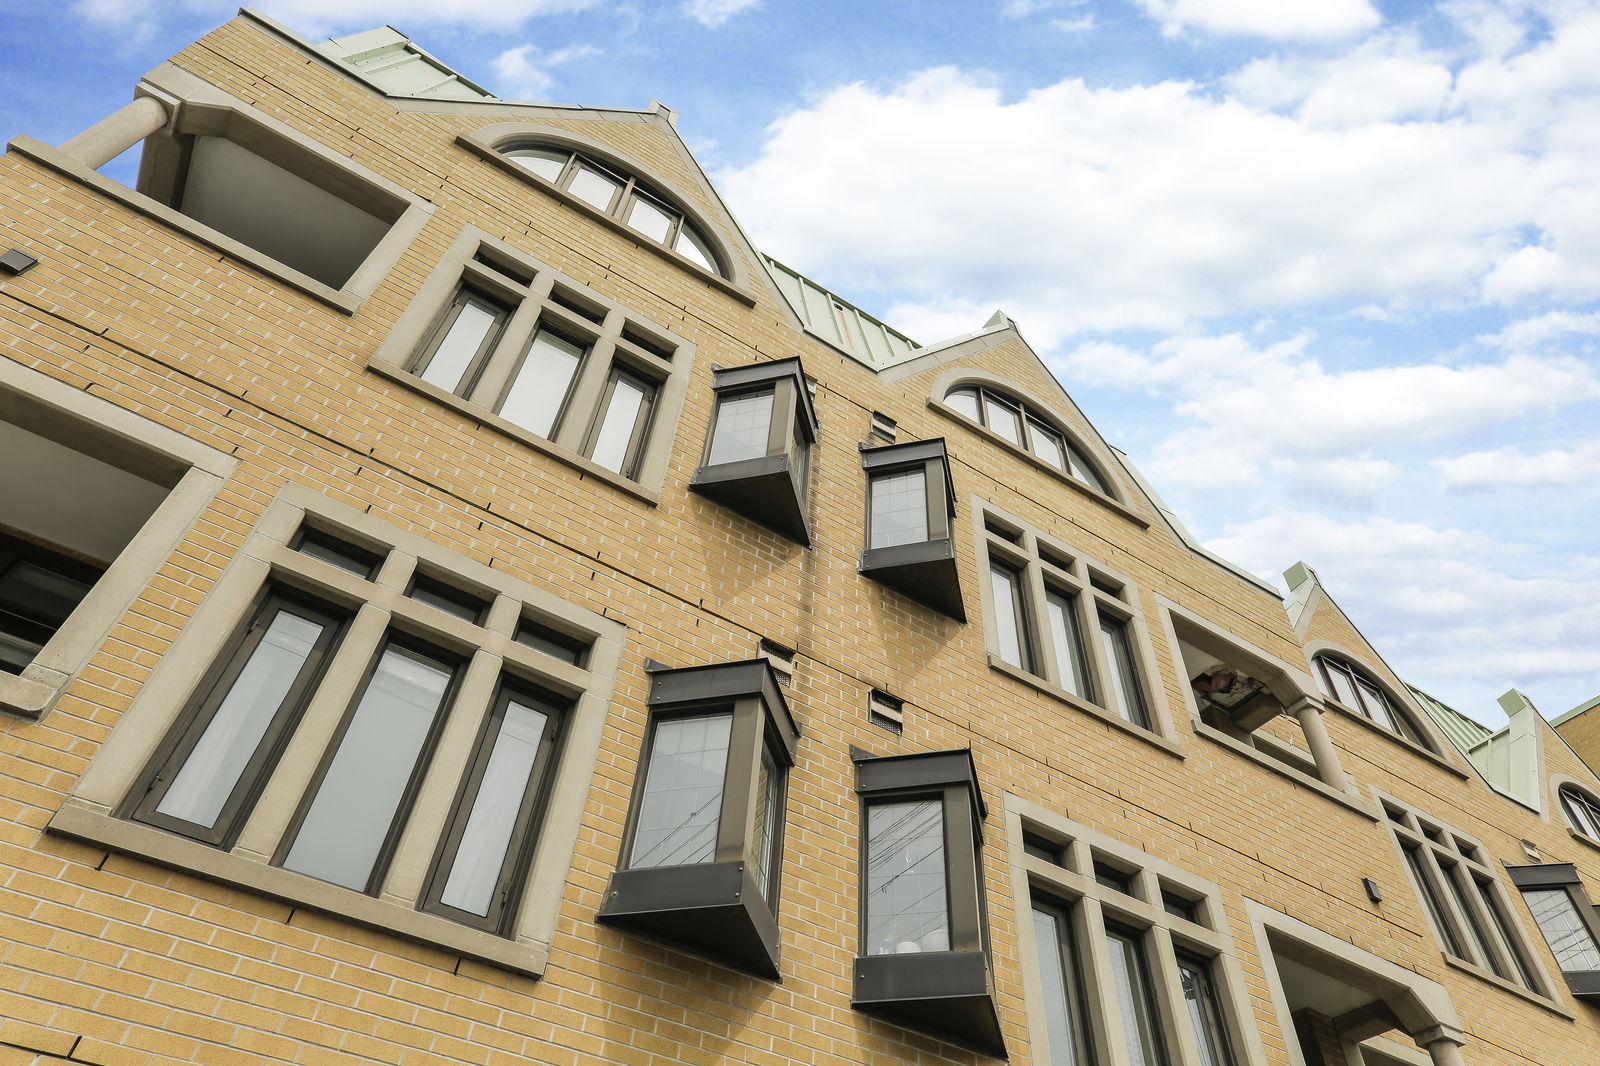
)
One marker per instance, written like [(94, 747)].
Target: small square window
[(448, 598), (332, 550), (552, 642)]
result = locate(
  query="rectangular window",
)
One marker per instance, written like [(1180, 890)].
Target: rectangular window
[(1204, 1010), (906, 884), (1135, 1004), (910, 502), (1563, 928), (743, 423), (899, 509), (1011, 627), (1126, 698), (1064, 1020), (681, 805), (39, 590), (461, 341)]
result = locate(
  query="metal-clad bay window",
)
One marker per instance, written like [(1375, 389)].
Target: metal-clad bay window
[(758, 454), (1561, 909), (910, 504), (924, 962), (700, 855)]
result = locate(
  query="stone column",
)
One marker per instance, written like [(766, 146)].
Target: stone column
[(1442, 1043), (117, 132), (1309, 715)]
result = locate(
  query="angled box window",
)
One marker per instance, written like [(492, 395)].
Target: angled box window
[(757, 455), (1561, 909), (924, 930), (910, 504), (357, 748), (518, 347), (701, 852), (100, 503)]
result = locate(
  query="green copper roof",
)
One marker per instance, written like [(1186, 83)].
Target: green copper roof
[(839, 322), (386, 59), (1464, 732)]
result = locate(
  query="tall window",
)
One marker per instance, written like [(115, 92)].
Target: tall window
[(621, 196), (910, 502), (1355, 690), (1082, 888), (1017, 424), (1561, 909), (1456, 883), (1057, 617)]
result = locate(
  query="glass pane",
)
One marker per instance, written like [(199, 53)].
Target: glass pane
[(764, 832), (800, 455), (462, 340), (545, 162), (1133, 1000), (1343, 690), (627, 408), (649, 219), (1376, 706), (742, 426), (1060, 610), (487, 836), (681, 805), (1205, 1015), (358, 801), (16, 652), (1469, 917), (1046, 444), (212, 770), (40, 594), (1003, 588), (1431, 902), (899, 508), (449, 600), (1510, 939), (593, 188), (1056, 975), (1580, 814), (1002, 418), (541, 387), (1084, 470), (693, 247), (965, 401), (1123, 689), (335, 552), (559, 645), (1563, 927), (906, 908)]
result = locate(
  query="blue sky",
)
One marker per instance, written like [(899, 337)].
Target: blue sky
[(1329, 271)]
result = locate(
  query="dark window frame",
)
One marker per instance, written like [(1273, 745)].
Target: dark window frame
[(1563, 877), (1581, 809), (1325, 664), (1075, 463), (924, 570)]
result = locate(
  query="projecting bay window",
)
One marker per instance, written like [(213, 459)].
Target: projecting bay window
[(520, 348), (701, 852), (1561, 909), (757, 455), (910, 504), (924, 932), (354, 723)]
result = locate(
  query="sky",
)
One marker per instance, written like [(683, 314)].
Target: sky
[(1327, 270)]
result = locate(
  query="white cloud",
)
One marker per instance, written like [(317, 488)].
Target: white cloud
[(1513, 466), (1284, 20), (314, 18), (524, 72), (713, 13), (1533, 333)]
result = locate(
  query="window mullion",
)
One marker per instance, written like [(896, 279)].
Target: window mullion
[(497, 368), (1171, 1008), (345, 675), (1038, 622), (739, 785), (432, 808), (1433, 870), (1094, 962), (585, 406), (1102, 675)]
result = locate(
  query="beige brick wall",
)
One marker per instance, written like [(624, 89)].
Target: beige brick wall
[(112, 960)]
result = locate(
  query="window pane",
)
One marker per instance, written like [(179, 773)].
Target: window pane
[(1123, 688), (1133, 1000), (213, 767), (906, 896), (1084, 470), (681, 806), (1580, 814), (1431, 901), (619, 426), (1007, 634), (559, 645), (694, 247), (1343, 690), (16, 652), (542, 384), (649, 219), (1507, 936), (1003, 419), (1210, 1037), (485, 840), (336, 552), (545, 162), (593, 188), (1563, 927), (742, 426), (764, 834), (1469, 917), (358, 801), (449, 600), (462, 340), (1057, 975), (965, 401), (1376, 706), (1046, 444), (1059, 608), (899, 508)]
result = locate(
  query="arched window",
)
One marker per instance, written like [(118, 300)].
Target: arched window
[(618, 194), (1027, 428), (1355, 690), (1582, 810)]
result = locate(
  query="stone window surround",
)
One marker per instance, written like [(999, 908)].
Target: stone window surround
[(1160, 732), (89, 813), (1544, 994), (1564, 782), (1088, 900), (1421, 1007), (170, 98), (1415, 716), (43, 404), (412, 327), (491, 142), (1105, 465)]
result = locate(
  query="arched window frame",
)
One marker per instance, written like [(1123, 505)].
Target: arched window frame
[(635, 180), (1361, 677), (1580, 809), (1032, 417)]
